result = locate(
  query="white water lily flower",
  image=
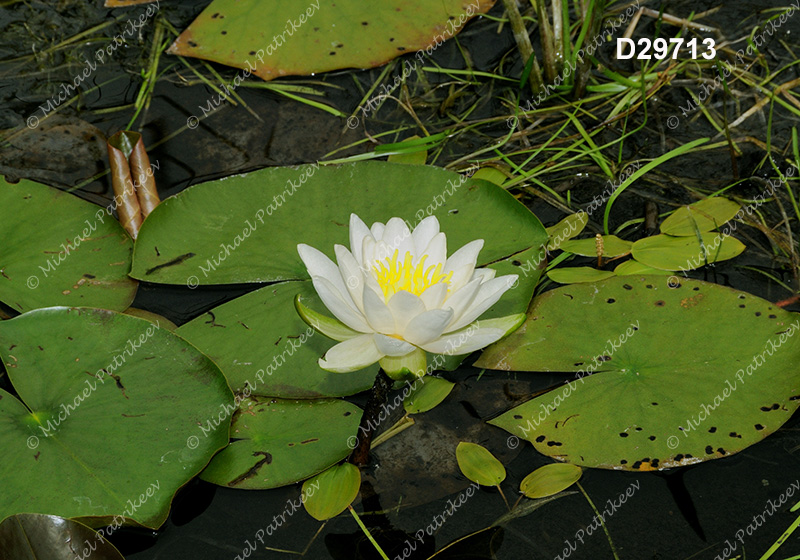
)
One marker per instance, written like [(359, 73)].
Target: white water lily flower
[(397, 295)]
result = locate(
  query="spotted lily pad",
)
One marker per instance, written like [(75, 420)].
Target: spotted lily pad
[(304, 37), (674, 381), (60, 250), (106, 426), (278, 442)]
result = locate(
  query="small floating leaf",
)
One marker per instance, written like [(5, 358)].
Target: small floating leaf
[(634, 267), (430, 392), (329, 493), (685, 253), (703, 216), (578, 274), (479, 465), (613, 246), (566, 229), (549, 480)]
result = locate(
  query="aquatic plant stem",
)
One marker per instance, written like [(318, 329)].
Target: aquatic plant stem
[(602, 523), (369, 420), (366, 531)]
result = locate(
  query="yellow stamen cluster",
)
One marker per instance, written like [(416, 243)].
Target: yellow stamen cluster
[(393, 275)]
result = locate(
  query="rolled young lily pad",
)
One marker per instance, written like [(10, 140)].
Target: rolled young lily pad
[(278, 442), (666, 252), (107, 421), (304, 37), (673, 381), (29, 536), (549, 480), (60, 250), (702, 216)]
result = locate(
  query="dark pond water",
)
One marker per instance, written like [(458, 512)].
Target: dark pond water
[(687, 513)]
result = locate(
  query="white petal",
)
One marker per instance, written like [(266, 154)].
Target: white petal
[(404, 307), (464, 341), (460, 300), (390, 346), (377, 230), (427, 326), (351, 355), (358, 231), (467, 255), (485, 274), (378, 315), (352, 275), (339, 305), (397, 236), (318, 264), (434, 296), (436, 251), (424, 232), (488, 294)]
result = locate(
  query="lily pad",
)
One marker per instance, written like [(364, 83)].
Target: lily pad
[(702, 216), (479, 465), (578, 274), (613, 246), (60, 250), (246, 228), (278, 442), (305, 37), (674, 381), (106, 424), (260, 342), (329, 493), (667, 252), (550, 480), (29, 536)]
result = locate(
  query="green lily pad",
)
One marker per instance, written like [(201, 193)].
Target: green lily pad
[(30, 536), (702, 216), (566, 229), (329, 493), (429, 394), (578, 274), (613, 246), (666, 252), (305, 37), (60, 250), (550, 480), (278, 442), (109, 407), (260, 342), (674, 381), (479, 465), (246, 228)]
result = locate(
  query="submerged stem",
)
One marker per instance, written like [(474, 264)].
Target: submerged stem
[(370, 419)]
